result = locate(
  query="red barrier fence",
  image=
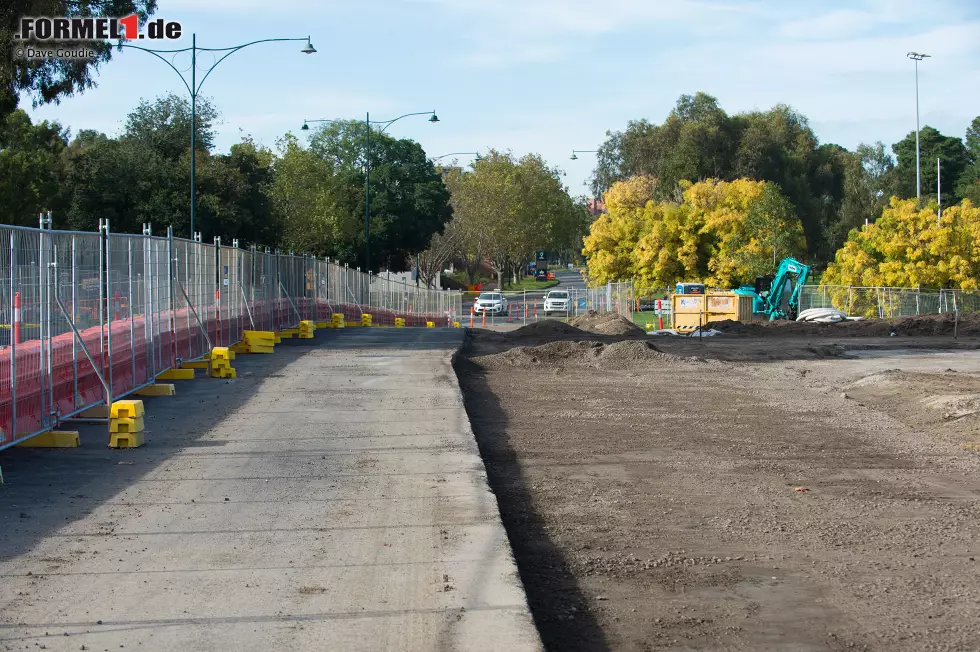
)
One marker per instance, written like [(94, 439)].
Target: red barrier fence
[(89, 317)]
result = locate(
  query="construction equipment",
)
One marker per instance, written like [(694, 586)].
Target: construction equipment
[(769, 292)]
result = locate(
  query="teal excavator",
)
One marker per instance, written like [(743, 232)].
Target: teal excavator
[(769, 292)]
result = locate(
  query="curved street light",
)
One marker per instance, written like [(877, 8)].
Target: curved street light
[(575, 153), (194, 87), (367, 168), (476, 155)]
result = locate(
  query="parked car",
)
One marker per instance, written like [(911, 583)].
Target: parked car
[(492, 303), (556, 301)]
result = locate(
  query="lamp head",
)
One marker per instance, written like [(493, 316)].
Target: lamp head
[(308, 48), (478, 158), (434, 117), (305, 126), (574, 156)]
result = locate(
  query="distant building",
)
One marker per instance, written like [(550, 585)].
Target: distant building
[(596, 207)]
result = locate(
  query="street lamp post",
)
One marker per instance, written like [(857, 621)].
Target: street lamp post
[(367, 169), (194, 87), (917, 57), (574, 157)]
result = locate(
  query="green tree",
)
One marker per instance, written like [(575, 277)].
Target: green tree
[(164, 125), (32, 170), (314, 210), (144, 175), (868, 186), (698, 140), (409, 201), (968, 185), (932, 144), (508, 208), (49, 79)]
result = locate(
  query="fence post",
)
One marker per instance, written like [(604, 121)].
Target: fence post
[(74, 316), (132, 317), (14, 341), (105, 281), (171, 274), (149, 314), (278, 296)]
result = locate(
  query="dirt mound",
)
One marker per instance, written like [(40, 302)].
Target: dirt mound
[(550, 354), (546, 328), (626, 354), (606, 324), (632, 353), (918, 326)]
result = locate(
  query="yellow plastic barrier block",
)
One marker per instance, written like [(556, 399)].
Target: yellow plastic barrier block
[(222, 353), (455, 324), (224, 373), (177, 374), (399, 322), (195, 364), (126, 409), (352, 324), (126, 439), (241, 347), (53, 439), (255, 348), (430, 324), (158, 389), (262, 335), (126, 425), (322, 324)]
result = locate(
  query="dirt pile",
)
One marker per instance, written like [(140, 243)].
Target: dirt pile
[(918, 326), (546, 328), (626, 354), (606, 324)]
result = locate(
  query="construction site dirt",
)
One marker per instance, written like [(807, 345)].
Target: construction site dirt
[(741, 492)]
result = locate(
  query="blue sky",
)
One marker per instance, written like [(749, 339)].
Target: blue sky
[(548, 76)]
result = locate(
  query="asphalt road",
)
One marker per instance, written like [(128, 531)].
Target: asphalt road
[(330, 498), (567, 280)]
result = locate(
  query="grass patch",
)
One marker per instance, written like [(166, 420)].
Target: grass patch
[(529, 283)]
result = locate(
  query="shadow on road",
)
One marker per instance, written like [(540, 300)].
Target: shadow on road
[(557, 603)]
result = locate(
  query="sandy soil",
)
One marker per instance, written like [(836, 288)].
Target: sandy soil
[(739, 493)]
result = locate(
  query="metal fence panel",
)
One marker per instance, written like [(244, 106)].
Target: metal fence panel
[(194, 298)]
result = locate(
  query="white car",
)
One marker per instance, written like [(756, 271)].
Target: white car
[(556, 301), (492, 303)]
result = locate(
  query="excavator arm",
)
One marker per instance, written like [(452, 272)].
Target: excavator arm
[(789, 269)]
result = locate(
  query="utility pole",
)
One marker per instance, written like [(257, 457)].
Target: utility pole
[(917, 57), (939, 193)]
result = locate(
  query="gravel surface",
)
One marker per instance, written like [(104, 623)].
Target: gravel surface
[(742, 493)]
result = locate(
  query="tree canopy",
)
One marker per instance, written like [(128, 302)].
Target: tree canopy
[(910, 246), (51, 79), (508, 208), (722, 233)]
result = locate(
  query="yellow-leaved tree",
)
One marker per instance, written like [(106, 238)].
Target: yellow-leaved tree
[(722, 233), (612, 238), (911, 247)]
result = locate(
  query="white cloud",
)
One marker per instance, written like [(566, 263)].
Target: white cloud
[(508, 32), (840, 24)]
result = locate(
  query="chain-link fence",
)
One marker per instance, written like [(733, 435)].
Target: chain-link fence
[(888, 302), (88, 317)]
